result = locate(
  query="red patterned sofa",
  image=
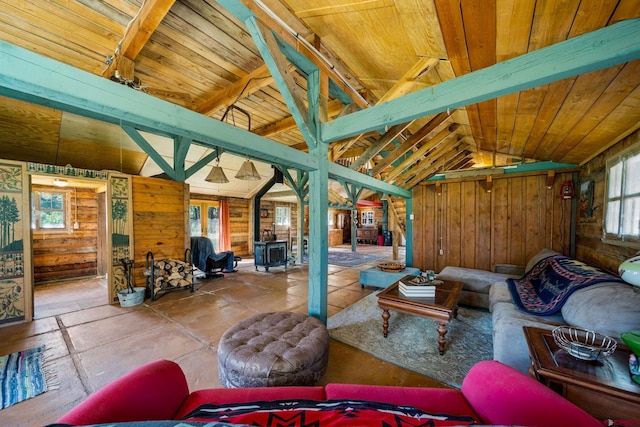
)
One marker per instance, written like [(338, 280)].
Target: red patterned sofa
[(492, 393)]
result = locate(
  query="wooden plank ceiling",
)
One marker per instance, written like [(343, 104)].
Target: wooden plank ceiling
[(196, 54)]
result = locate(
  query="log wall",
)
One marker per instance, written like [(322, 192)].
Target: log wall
[(66, 255), (589, 245), (468, 226), (160, 221)]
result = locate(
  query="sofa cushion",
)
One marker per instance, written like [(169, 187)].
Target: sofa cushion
[(608, 308), (509, 344), (476, 283)]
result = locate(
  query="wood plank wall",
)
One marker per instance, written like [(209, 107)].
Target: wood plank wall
[(478, 229), (61, 256), (160, 221), (589, 245), (268, 223)]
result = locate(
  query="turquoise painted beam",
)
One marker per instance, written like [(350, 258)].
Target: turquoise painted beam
[(521, 168), (34, 78), (297, 187), (313, 100), (339, 172), (181, 147), (408, 255), (148, 148), (268, 47), (318, 234), (353, 193), (301, 62), (603, 48), (306, 67), (338, 206)]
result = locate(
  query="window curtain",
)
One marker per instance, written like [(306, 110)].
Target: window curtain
[(225, 226)]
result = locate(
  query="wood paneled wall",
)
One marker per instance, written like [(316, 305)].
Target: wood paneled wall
[(467, 226), (589, 245), (160, 221), (60, 256), (268, 223)]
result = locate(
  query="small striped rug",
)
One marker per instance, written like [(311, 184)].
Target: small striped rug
[(24, 375)]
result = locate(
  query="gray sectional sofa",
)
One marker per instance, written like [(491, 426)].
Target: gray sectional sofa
[(610, 308)]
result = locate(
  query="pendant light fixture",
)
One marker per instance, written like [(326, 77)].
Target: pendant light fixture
[(216, 175), (248, 171)]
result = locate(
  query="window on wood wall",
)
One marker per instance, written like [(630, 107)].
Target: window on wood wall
[(51, 211), (622, 215), (283, 217), (367, 218)]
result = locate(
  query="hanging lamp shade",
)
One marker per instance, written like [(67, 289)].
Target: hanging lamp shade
[(217, 176), (248, 172)]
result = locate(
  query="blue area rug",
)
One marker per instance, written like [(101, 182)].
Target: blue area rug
[(23, 375), (412, 342), (348, 258)]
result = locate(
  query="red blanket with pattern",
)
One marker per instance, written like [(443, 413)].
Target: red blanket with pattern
[(311, 413)]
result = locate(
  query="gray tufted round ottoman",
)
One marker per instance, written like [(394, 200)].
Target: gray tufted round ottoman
[(273, 349)]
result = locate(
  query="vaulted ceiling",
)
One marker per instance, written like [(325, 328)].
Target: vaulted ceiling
[(198, 55)]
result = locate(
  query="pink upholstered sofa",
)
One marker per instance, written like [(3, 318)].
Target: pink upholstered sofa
[(492, 393)]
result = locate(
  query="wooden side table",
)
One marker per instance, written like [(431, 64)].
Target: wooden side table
[(603, 389), (440, 308)]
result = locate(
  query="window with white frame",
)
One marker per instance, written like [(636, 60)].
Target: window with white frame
[(282, 216), (51, 211), (367, 218), (622, 214)]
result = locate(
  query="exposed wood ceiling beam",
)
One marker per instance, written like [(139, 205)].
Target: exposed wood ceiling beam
[(289, 123), (410, 78), (603, 48), (411, 142), (402, 87), (419, 154), (453, 157), (245, 9), (31, 77), (140, 30), (274, 58), (252, 82), (341, 147), (378, 145)]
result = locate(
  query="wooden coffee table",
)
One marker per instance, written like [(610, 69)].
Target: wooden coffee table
[(603, 389), (440, 308)]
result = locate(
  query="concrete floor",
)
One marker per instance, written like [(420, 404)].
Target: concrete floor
[(90, 343)]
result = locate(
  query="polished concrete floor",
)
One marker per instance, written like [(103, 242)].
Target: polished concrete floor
[(90, 342)]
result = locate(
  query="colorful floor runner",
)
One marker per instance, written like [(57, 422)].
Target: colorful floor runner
[(23, 376)]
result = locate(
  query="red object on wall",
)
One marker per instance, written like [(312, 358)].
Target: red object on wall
[(368, 204), (567, 191)]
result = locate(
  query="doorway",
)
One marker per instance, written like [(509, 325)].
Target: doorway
[(68, 236), (204, 220)]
